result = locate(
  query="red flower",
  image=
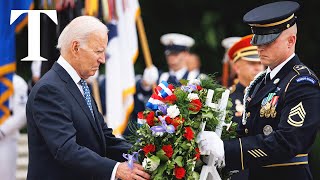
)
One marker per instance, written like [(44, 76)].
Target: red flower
[(171, 99), (150, 118), (179, 172), (149, 148), (177, 121), (168, 120), (199, 87), (197, 155), (195, 105), (140, 115), (188, 133), (168, 150)]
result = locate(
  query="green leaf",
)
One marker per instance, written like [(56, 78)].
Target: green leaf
[(207, 115), (184, 145), (195, 175), (159, 173), (162, 155), (178, 160)]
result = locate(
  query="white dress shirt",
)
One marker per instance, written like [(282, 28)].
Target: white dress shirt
[(275, 71)]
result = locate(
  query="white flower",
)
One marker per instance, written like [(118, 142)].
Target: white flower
[(173, 111), (158, 134), (194, 82), (151, 164), (192, 96)]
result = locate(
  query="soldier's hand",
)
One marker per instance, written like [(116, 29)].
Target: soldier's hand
[(125, 173), (150, 75), (210, 142)]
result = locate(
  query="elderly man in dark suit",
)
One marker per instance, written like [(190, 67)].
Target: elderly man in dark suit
[(68, 138)]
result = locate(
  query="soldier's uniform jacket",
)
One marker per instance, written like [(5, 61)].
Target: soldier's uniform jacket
[(279, 126), (236, 95)]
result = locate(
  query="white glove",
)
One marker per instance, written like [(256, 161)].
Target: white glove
[(150, 75), (209, 142), (36, 68)]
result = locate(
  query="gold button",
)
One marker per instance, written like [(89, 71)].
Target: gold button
[(246, 130), (248, 114)]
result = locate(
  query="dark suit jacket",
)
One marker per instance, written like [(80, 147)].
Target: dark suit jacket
[(65, 141)]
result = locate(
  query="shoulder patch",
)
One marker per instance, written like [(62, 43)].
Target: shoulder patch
[(306, 78)]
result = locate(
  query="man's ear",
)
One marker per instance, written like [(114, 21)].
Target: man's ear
[(292, 41), (75, 46)]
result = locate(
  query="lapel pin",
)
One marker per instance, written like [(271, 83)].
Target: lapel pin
[(276, 81)]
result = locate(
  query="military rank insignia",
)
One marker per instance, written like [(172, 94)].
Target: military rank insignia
[(297, 115), (268, 106)]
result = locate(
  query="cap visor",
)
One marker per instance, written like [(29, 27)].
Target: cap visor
[(258, 40)]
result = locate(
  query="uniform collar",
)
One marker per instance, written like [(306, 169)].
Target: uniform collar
[(70, 70), (180, 73), (240, 87), (275, 71)]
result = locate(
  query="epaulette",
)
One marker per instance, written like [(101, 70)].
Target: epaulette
[(302, 69), (305, 74)]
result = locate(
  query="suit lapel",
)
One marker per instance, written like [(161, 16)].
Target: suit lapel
[(74, 90), (271, 85), (97, 115)]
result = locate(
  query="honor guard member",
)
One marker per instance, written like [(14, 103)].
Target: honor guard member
[(231, 78), (9, 129), (176, 51), (281, 116), (246, 63), (194, 65)]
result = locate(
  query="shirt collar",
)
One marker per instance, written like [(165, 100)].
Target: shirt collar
[(180, 73), (275, 71), (70, 70)]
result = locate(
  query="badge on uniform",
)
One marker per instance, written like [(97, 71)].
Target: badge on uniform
[(267, 130), (268, 106), (297, 115)]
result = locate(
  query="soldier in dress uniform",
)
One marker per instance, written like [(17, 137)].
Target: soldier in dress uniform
[(176, 51), (194, 65), (281, 114), (246, 63), (9, 130)]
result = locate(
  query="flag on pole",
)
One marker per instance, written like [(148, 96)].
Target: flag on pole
[(7, 50), (122, 52)]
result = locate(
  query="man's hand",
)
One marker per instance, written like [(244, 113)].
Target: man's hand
[(150, 75), (125, 173), (210, 142)]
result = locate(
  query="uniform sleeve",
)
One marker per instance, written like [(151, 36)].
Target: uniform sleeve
[(18, 103), (296, 131)]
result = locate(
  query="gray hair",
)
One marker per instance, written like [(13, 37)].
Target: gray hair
[(78, 30)]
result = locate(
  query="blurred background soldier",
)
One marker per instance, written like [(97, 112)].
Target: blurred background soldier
[(9, 129), (246, 64), (176, 51), (194, 65), (228, 74)]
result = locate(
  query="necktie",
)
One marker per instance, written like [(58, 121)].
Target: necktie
[(267, 78), (173, 80), (86, 94)]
